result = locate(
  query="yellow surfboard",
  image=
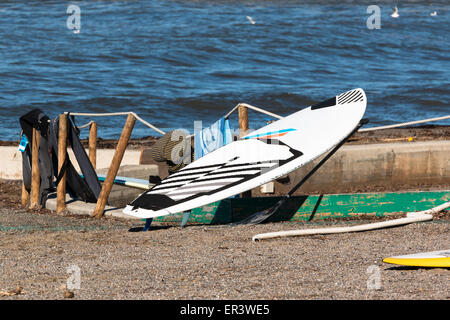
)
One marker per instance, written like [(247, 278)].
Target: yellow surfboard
[(439, 259)]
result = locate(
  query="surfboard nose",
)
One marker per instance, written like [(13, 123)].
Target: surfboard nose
[(352, 96)]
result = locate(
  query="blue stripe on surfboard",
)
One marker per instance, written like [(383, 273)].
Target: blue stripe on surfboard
[(270, 133)]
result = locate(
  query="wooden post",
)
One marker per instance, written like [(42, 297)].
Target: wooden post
[(243, 120), (243, 130), (35, 174), (25, 195), (114, 167), (62, 153), (93, 144)]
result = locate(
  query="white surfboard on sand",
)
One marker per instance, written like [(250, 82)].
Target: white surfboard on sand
[(439, 258), (259, 157)]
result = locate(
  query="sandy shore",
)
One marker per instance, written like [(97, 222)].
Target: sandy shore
[(210, 262)]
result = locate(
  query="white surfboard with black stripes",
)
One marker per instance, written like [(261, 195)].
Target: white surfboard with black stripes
[(259, 157)]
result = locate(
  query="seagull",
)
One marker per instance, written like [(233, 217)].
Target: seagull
[(395, 12), (76, 31), (433, 14), (251, 20)]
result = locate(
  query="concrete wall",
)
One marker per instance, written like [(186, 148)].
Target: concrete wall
[(353, 166), (387, 164), (11, 160)]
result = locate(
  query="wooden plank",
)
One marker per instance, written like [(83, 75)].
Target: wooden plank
[(218, 212), (375, 204), (300, 208)]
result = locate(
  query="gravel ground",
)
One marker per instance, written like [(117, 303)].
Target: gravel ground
[(40, 251), (212, 262)]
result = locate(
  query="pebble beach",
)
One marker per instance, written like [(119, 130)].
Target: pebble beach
[(40, 250)]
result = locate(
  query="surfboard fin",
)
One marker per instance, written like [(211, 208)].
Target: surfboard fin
[(148, 222), (185, 218)]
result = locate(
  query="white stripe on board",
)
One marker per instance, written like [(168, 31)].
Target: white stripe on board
[(201, 188), (225, 174), (193, 170)]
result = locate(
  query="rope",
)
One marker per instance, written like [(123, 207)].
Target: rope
[(253, 108), (155, 128), (118, 114), (148, 124), (86, 125), (411, 217), (404, 124), (360, 130), (99, 114), (250, 107)]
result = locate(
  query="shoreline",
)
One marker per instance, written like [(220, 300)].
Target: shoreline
[(417, 133)]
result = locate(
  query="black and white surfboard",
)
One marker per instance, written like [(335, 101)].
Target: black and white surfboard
[(259, 157)]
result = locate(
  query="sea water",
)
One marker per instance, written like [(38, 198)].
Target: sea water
[(175, 62)]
